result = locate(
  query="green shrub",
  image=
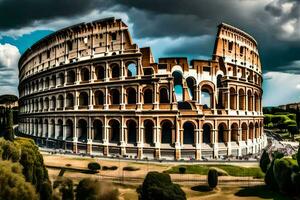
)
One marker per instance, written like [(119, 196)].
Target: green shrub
[(182, 170), (64, 187), (212, 178), (46, 191), (94, 166), (9, 150), (159, 186), (130, 168), (282, 173), (296, 181), (264, 161)]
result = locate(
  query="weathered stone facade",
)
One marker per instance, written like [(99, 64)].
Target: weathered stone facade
[(88, 88)]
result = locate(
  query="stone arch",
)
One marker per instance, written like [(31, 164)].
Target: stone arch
[(53, 80), (131, 69), (189, 133), (222, 133), (99, 97), (164, 95), (148, 131), (206, 96), (251, 129), (115, 70), (114, 97), (244, 131), (100, 72), (70, 100), (71, 77), (60, 129), (60, 102), (41, 104), (232, 98), (256, 130), (53, 102), (206, 135), (256, 102), (46, 103), (114, 132), (69, 129), (250, 100), (82, 130), (45, 129), (40, 129), (192, 86), (83, 99), (61, 78), (52, 128), (234, 132), (131, 96), (242, 99), (178, 87), (166, 132), (148, 96), (98, 130), (131, 131), (85, 74), (36, 127)]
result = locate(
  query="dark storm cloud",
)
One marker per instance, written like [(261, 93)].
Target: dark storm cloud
[(20, 13)]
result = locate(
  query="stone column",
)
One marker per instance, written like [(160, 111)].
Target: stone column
[(76, 100), (75, 138), (122, 104), (123, 142), (229, 143), (91, 97), (106, 103), (155, 92), (89, 149), (215, 143)]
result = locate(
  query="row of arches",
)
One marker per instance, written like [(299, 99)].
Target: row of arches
[(149, 133)]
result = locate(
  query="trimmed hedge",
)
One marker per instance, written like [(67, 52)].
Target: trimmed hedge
[(94, 166), (109, 168), (130, 168)]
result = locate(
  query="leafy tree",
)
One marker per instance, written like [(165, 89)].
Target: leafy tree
[(212, 178), (9, 150), (264, 161), (88, 189), (46, 191), (65, 187), (270, 178), (12, 183), (94, 166), (293, 129), (267, 119), (158, 186), (282, 173)]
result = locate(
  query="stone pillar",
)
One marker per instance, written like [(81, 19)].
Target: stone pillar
[(157, 142), (92, 72), (229, 143), (106, 99), (155, 92), (75, 138), (91, 97), (76, 100), (215, 143), (89, 146), (122, 70), (178, 142), (139, 98), (199, 133), (239, 142), (122, 104), (123, 142)]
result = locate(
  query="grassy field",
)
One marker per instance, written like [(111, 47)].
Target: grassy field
[(254, 172)]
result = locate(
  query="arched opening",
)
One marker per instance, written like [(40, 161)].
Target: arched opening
[(52, 128), (69, 100), (234, 132), (148, 96), (188, 133), (61, 77), (232, 99), (244, 131), (60, 129), (100, 72), (192, 85), (82, 130), (85, 74), (256, 130), (99, 98), (69, 130), (115, 97), (53, 102), (131, 96), (148, 131), (70, 77), (206, 133), (131, 132), (164, 95), (206, 97), (41, 104), (222, 133), (83, 99), (40, 131), (45, 129), (60, 101), (241, 99), (115, 71), (219, 80), (166, 132), (131, 69), (256, 102), (47, 82), (178, 88), (98, 127), (251, 127), (250, 101), (46, 103), (53, 81), (114, 134)]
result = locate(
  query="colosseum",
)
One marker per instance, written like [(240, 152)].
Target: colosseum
[(89, 89)]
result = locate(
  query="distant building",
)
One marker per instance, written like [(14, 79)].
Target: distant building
[(90, 89), (290, 106)]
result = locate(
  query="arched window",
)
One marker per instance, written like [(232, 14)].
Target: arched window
[(100, 73), (148, 96), (188, 133), (241, 99), (244, 131), (256, 130), (115, 71), (219, 80), (131, 70), (60, 101), (178, 88), (45, 129), (191, 83), (53, 81), (148, 131), (250, 101), (206, 134), (53, 103), (47, 82), (206, 98), (82, 130), (61, 77), (232, 99), (70, 77), (69, 130), (166, 132), (164, 95), (251, 127), (83, 99), (115, 97), (97, 126), (131, 96), (52, 128), (85, 74), (60, 129), (234, 132), (114, 135), (70, 100), (46, 103), (256, 102), (131, 132), (99, 98), (222, 133)]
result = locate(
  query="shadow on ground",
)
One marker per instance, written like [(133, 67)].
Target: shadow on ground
[(260, 191), (202, 188)]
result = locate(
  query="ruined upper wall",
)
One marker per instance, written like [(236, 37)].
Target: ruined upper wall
[(236, 47)]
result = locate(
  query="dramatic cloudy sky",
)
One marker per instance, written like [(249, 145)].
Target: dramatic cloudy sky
[(170, 27)]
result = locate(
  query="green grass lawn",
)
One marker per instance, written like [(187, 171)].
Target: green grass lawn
[(230, 169)]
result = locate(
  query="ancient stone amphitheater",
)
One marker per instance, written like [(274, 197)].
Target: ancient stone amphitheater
[(90, 89)]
